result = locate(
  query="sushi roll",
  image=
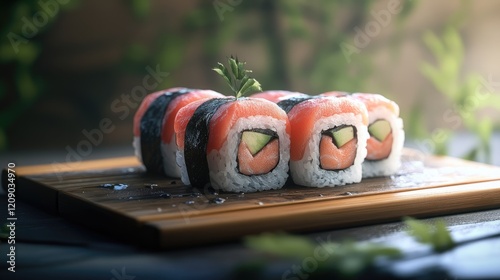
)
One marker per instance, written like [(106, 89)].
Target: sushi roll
[(154, 138), (328, 140), (385, 144), (234, 145)]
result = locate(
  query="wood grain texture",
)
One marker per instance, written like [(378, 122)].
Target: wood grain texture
[(161, 212)]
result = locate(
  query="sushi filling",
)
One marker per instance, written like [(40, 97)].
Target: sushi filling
[(337, 148), (258, 152), (379, 145)]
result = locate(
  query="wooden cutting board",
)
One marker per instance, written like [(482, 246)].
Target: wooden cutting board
[(160, 212)]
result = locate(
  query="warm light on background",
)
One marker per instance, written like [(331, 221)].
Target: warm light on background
[(74, 68)]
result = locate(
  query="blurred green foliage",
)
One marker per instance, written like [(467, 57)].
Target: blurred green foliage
[(348, 259), (277, 29), (436, 235), (285, 28), (140, 8), (23, 24), (272, 33), (467, 94), (338, 260)]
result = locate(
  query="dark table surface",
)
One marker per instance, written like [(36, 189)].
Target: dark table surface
[(50, 247)]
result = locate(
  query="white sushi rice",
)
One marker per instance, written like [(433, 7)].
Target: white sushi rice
[(179, 158), (307, 171), (388, 166), (223, 164), (136, 143), (224, 174), (168, 154), (170, 166)]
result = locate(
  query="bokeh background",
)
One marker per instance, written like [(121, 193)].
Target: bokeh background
[(67, 65)]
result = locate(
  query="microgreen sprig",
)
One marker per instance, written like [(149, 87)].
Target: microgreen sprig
[(237, 77)]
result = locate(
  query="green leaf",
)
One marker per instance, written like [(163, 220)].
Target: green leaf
[(485, 129), (238, 80), (419, 230), (256, 87), (436, 235), (222, 70), (234, 67), (442, 237), (346, 259), (221, 73), (472, 154), (250, 84), (468, 95), (380, 250), (352, 265), (454, 44), (241, 70), (284, 245), (434, 44), (244, 80), (435, 76)]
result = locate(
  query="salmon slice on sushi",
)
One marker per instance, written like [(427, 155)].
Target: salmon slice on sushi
[(328, 141), (233, 144), (385, 144), (278, 95), (154, 137), (335, 94)]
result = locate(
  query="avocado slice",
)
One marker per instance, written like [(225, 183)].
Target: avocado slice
[(341, 135), (255, 140), (380, 129)]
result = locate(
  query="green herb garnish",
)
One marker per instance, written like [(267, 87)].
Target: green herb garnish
[(237, 77)]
